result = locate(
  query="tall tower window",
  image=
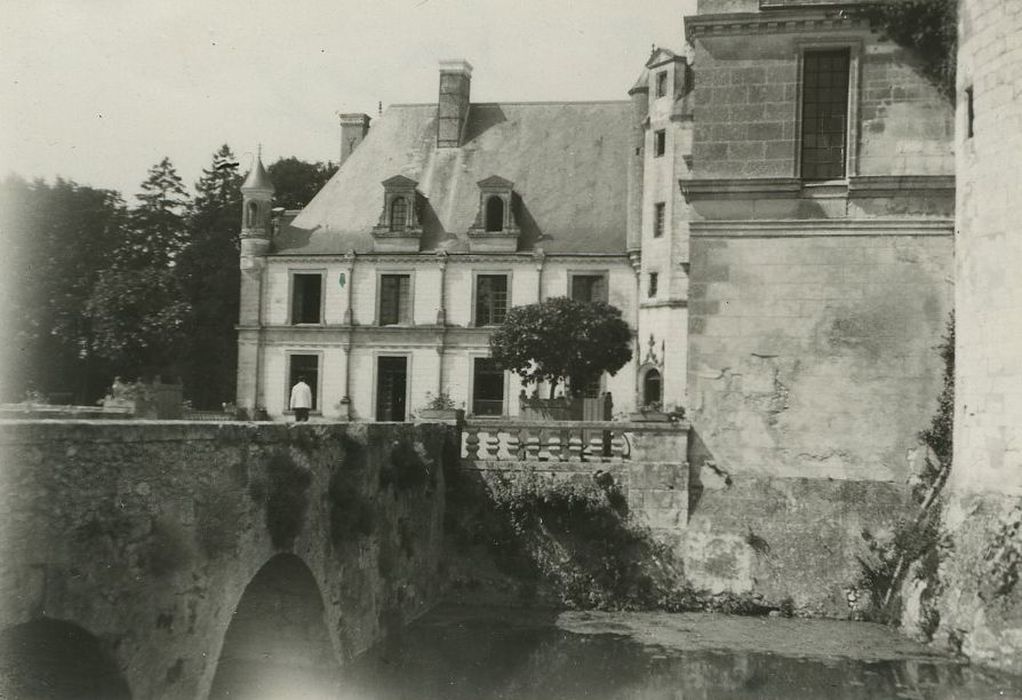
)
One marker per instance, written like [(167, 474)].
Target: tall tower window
[(494, 214), (250, 214), (824, 113), (398, 214), (654, 279), (661, 83), (659, 143), (658, 220)]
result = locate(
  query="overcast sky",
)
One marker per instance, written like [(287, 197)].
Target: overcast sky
[(98, 91)]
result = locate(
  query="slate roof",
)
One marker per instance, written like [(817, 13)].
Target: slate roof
[(258, 178), (567, 161)]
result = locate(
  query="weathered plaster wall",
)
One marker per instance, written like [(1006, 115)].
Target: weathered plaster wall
[(981, 608), (814, 356), (147, 534)]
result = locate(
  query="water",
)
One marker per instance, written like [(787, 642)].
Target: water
[(472, 654)]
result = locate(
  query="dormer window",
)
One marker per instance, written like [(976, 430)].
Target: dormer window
[(495, 229), (398, 229), (495, 214), (399, 214)]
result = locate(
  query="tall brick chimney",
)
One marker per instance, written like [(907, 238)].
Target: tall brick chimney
[(354, 128), (452, 107)]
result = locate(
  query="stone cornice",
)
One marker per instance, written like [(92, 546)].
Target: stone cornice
[(806, 228), (430, 257), (790, 187), (817, 19), (665, 304)]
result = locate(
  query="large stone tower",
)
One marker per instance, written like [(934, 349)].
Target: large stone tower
[(257, 200), (982, 608)]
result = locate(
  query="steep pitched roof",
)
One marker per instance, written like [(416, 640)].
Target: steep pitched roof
[(258, 178), (567, 162)]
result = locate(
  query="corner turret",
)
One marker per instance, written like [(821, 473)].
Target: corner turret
[(257, 198)]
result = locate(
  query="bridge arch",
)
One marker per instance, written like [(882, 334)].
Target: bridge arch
[(277, 643), (53, 659)]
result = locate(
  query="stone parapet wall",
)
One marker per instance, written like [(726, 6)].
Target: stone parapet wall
[(146, 534)]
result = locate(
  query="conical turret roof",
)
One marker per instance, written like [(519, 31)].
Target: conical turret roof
[(258, 178)]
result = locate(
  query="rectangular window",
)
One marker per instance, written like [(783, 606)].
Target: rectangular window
[(306, 297), (661, 83), (491, 299), (589, 288), (651, 290), (487, 388), (659, 142), (395, 299), (307, 367), (824, 113), (658, 220), (970, 113)]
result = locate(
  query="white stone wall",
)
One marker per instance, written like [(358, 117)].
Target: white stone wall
[(418, 341), (988, 252)]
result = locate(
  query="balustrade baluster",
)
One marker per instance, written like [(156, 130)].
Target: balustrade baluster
[(564, 453), (532, 445), (617, 445), (472, 443), (594, 450), (553, 446), (511, 444), (574, 446)]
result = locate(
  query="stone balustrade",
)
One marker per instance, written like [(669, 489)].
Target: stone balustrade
[(572, 441)]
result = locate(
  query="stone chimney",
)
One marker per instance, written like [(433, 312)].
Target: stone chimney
[(354, 128), (452, 107)]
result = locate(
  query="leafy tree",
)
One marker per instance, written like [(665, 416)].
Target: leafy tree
[(297, 181), (56, 239), (208, 272), (560, 339), (138, 319), (138, 308), (930, 27)]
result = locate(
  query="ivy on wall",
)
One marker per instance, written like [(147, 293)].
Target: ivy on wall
[(929, 27)]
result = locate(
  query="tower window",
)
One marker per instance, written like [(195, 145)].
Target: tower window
[(970, 114), (250, 214), (494, 214), (652, 387), (659, 143), (399, 214), (654, 279), (824, 113), (658, 219), (661, 83)]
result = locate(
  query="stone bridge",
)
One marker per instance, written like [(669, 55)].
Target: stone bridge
[(172, 559)]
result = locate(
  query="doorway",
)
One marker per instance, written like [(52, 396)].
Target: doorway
[(391, 387)]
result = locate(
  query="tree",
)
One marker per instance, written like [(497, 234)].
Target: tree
[(57, 239), (137, 306), (562, 339), (297, 181), (207, 269), (157, 225), (930, 27)]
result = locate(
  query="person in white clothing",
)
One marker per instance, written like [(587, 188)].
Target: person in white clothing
[(301, 400)]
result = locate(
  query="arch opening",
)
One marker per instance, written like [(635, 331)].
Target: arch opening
[(652, 387), (277, 644), (251, 212), (56, 660)]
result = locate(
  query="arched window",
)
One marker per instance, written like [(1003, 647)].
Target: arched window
[(250, 214), (652, 387), (398, 214), (494, 214)]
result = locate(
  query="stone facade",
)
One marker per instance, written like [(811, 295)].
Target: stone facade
[(152, 536), (815, 304), (981, 607)]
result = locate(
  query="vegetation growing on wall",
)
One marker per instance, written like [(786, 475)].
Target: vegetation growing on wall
[(930, 27), (917, 541), (287, 498)]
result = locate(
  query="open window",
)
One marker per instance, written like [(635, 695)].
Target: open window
[(307, 367), (487, 387), (395, 300), (494, 229)]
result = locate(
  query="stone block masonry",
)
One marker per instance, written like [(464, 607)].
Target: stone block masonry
[(152, 536)]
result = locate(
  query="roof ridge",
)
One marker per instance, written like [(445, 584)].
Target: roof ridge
[(520, 102)]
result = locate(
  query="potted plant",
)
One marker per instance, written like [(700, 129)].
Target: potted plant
[(650, 413), (438, 407)]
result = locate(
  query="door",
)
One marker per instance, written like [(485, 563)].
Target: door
[(391, 383), (487, 388)]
